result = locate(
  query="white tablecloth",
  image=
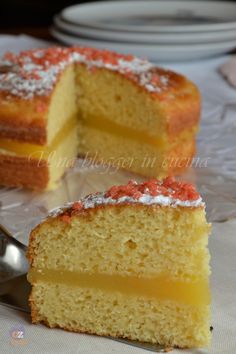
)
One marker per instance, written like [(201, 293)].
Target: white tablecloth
[(218, 187)]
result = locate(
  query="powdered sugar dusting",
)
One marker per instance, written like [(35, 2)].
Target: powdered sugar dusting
[(38, 70), (101, 199)]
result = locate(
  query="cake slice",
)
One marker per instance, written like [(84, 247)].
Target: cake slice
[(56, 103), (130, 262)]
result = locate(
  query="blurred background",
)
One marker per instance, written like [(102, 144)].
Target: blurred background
[(31, 16), (160, 30), (34, 16)]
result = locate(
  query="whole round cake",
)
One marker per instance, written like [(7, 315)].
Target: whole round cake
[(58, 102)]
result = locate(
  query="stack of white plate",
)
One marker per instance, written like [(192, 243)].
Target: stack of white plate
[(161, 30)]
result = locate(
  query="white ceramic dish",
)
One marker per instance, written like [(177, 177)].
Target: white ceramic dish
[(157, 52), (154, 16), (154, 38)]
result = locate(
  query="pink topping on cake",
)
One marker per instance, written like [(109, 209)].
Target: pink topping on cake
[(77, 206), (168, 188), (55, 55), (35, 72), (168, 192)]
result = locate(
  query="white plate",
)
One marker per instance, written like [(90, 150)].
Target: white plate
[(159, 52), (153, 16), (154, 38)]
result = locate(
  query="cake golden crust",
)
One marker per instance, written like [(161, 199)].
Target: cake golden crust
[(21, 171), (23, 120)]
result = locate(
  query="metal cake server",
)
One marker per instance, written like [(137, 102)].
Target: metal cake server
[(14, 288)]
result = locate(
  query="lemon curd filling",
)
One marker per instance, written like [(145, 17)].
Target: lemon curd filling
[(39, 151), (106, 125), (160, 287), (160, 142), (98, 123)]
